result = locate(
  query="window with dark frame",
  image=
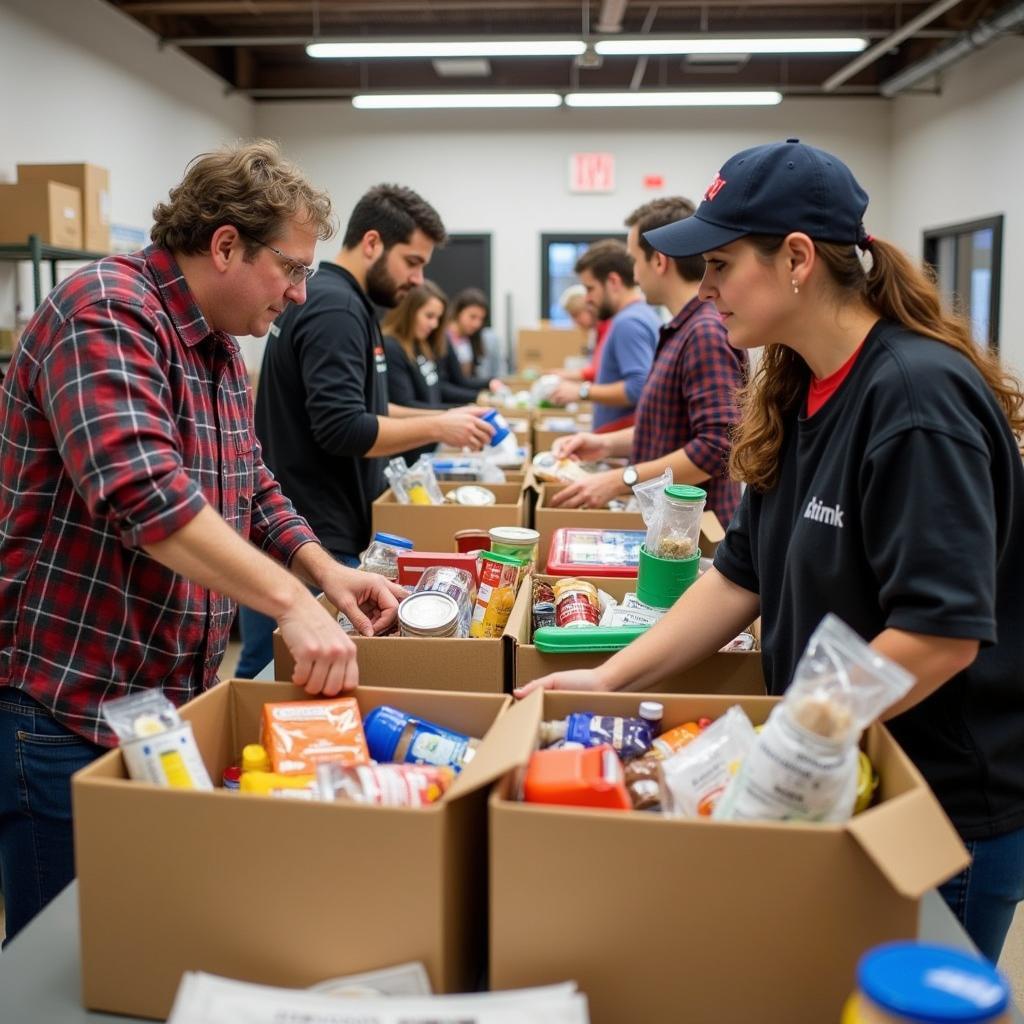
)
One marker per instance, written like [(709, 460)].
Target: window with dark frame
[(558, 256), (967, 259)]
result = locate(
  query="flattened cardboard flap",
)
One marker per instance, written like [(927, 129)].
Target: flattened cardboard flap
[(911, 841), (508, 744)]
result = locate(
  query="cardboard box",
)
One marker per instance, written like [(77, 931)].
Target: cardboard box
[(458, 664), (46, 208), (432, 527), (736, 672), (544, 438), (548, 348), (665, 920), (547, 519), (94, 184), (283, 892)]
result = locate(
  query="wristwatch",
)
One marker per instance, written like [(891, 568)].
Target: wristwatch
[(630, 477), (584, 390)]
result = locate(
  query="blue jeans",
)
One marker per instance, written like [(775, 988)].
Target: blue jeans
[(37, 759), (985, 894), (257, 632)]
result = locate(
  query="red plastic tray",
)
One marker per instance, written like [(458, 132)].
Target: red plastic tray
[(577, 551)]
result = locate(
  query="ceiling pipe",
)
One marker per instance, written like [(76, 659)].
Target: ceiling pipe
[(879, 49), (641, 65), (612, 13), (1006, 20)]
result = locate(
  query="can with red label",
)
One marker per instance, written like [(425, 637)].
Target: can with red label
[(576, 603)]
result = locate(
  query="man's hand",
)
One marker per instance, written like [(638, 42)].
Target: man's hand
[(564, 374), (325, 658), (463, 428), (566, 392), (369, 600), (595, 491), (585, 447)]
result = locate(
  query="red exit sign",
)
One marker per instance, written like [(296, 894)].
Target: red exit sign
[(591, 172)]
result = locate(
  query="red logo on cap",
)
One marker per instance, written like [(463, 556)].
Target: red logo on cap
[(715, 187)]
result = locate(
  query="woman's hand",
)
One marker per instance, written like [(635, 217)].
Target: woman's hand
[(577, 679)]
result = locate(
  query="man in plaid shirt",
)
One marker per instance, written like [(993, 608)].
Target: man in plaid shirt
[(135, 507), (688, 405)]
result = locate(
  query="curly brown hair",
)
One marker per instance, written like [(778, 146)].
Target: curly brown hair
[(895, 288), (250, 185)]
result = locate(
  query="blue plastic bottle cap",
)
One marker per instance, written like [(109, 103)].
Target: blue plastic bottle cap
[(932, 983), (383, 727), (496, 420), (393, 540)]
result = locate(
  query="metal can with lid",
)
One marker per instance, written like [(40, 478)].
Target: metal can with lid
[(428, 614), (576, 603), (518, 541), (457, 584), (472, 494)]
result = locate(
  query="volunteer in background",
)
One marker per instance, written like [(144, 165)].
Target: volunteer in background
[(688, 405), (470, 362), (136, 508), (574, 301), (884, 484), (413, 339), (322, 411), (606, 271)]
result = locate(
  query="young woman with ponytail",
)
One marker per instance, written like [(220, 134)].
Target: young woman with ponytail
[(880, 446)]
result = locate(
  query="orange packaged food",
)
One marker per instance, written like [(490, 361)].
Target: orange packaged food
[(589, 777), (300, 734)]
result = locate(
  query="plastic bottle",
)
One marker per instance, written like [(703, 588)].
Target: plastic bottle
[(652, 712), (904, 982), (630, 737), (381, 557), (255, 758), (393, 735)]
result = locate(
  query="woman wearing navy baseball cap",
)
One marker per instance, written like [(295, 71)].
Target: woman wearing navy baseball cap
[(879, 446)]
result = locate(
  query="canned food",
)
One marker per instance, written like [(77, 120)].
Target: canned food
[(471, 494), (518, 541), (471, 540), (499, 580), (576, 603), (457, 584), (428, 614)]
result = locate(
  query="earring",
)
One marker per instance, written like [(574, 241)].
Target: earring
[(796, 289)]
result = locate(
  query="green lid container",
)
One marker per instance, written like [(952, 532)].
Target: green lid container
[(583, 639), (661, 581), (495, 556), (686, 492)]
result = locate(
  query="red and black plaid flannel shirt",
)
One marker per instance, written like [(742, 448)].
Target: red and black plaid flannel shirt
[(689, 400), (121, 416)]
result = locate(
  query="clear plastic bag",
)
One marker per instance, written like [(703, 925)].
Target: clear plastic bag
[(804, 764), (694, 778), (672, 514), (649, 498), (416, 484)]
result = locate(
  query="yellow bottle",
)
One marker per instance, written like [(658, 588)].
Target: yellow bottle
[(255, 758), (301, 787)]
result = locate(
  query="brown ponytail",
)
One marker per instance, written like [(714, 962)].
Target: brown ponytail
[(894, 287)]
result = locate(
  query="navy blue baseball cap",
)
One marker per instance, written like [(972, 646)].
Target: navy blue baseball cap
[(772, 190)]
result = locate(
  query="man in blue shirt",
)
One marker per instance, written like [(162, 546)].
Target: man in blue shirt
[(606, 271)]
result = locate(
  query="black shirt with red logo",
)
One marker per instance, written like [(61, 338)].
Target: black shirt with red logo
[(322, 386), (900, 505)]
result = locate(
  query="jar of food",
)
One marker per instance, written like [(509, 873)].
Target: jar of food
[(576, 603), (678, 533), (381, 557), (472, 494), (518, 541), (457, 584), (906, 982), (428, 615), (500, 576)]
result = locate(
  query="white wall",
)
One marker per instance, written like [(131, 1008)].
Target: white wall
[(92, 86), (506, 172), (958, 157)]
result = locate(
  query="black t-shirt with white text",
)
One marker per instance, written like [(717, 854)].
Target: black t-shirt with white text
[(900, 505)]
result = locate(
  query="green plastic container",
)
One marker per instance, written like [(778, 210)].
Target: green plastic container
[(661, 581), (584, 639)]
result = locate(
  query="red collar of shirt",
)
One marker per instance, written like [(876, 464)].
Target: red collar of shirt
[(821, 390)]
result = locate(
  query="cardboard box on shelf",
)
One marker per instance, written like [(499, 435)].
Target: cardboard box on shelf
[(548, 348), (547, 519), (659, 919), (736, 672), (283, 892), (432, 527), (460, 664), (46, 208), (94, 184)]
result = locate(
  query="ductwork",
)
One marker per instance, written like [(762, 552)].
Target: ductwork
[(612, 13), (1008, 19)]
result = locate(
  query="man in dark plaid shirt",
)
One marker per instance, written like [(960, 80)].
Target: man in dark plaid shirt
[(688, 405), (135, 507)]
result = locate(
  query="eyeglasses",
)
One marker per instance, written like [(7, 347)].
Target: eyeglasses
[(296, 270)]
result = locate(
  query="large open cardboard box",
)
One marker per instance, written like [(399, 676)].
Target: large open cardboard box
[(433, 527), (547, 519), (284, 892), (461, 664), (735, 672), (665, 920), (547, 348)]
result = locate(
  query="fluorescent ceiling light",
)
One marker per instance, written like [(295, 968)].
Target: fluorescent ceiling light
[(454, 101), (762, 98), (641, 47), (469, 48)]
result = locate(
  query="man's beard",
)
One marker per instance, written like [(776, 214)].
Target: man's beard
[(605, 311), (381, 287)]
